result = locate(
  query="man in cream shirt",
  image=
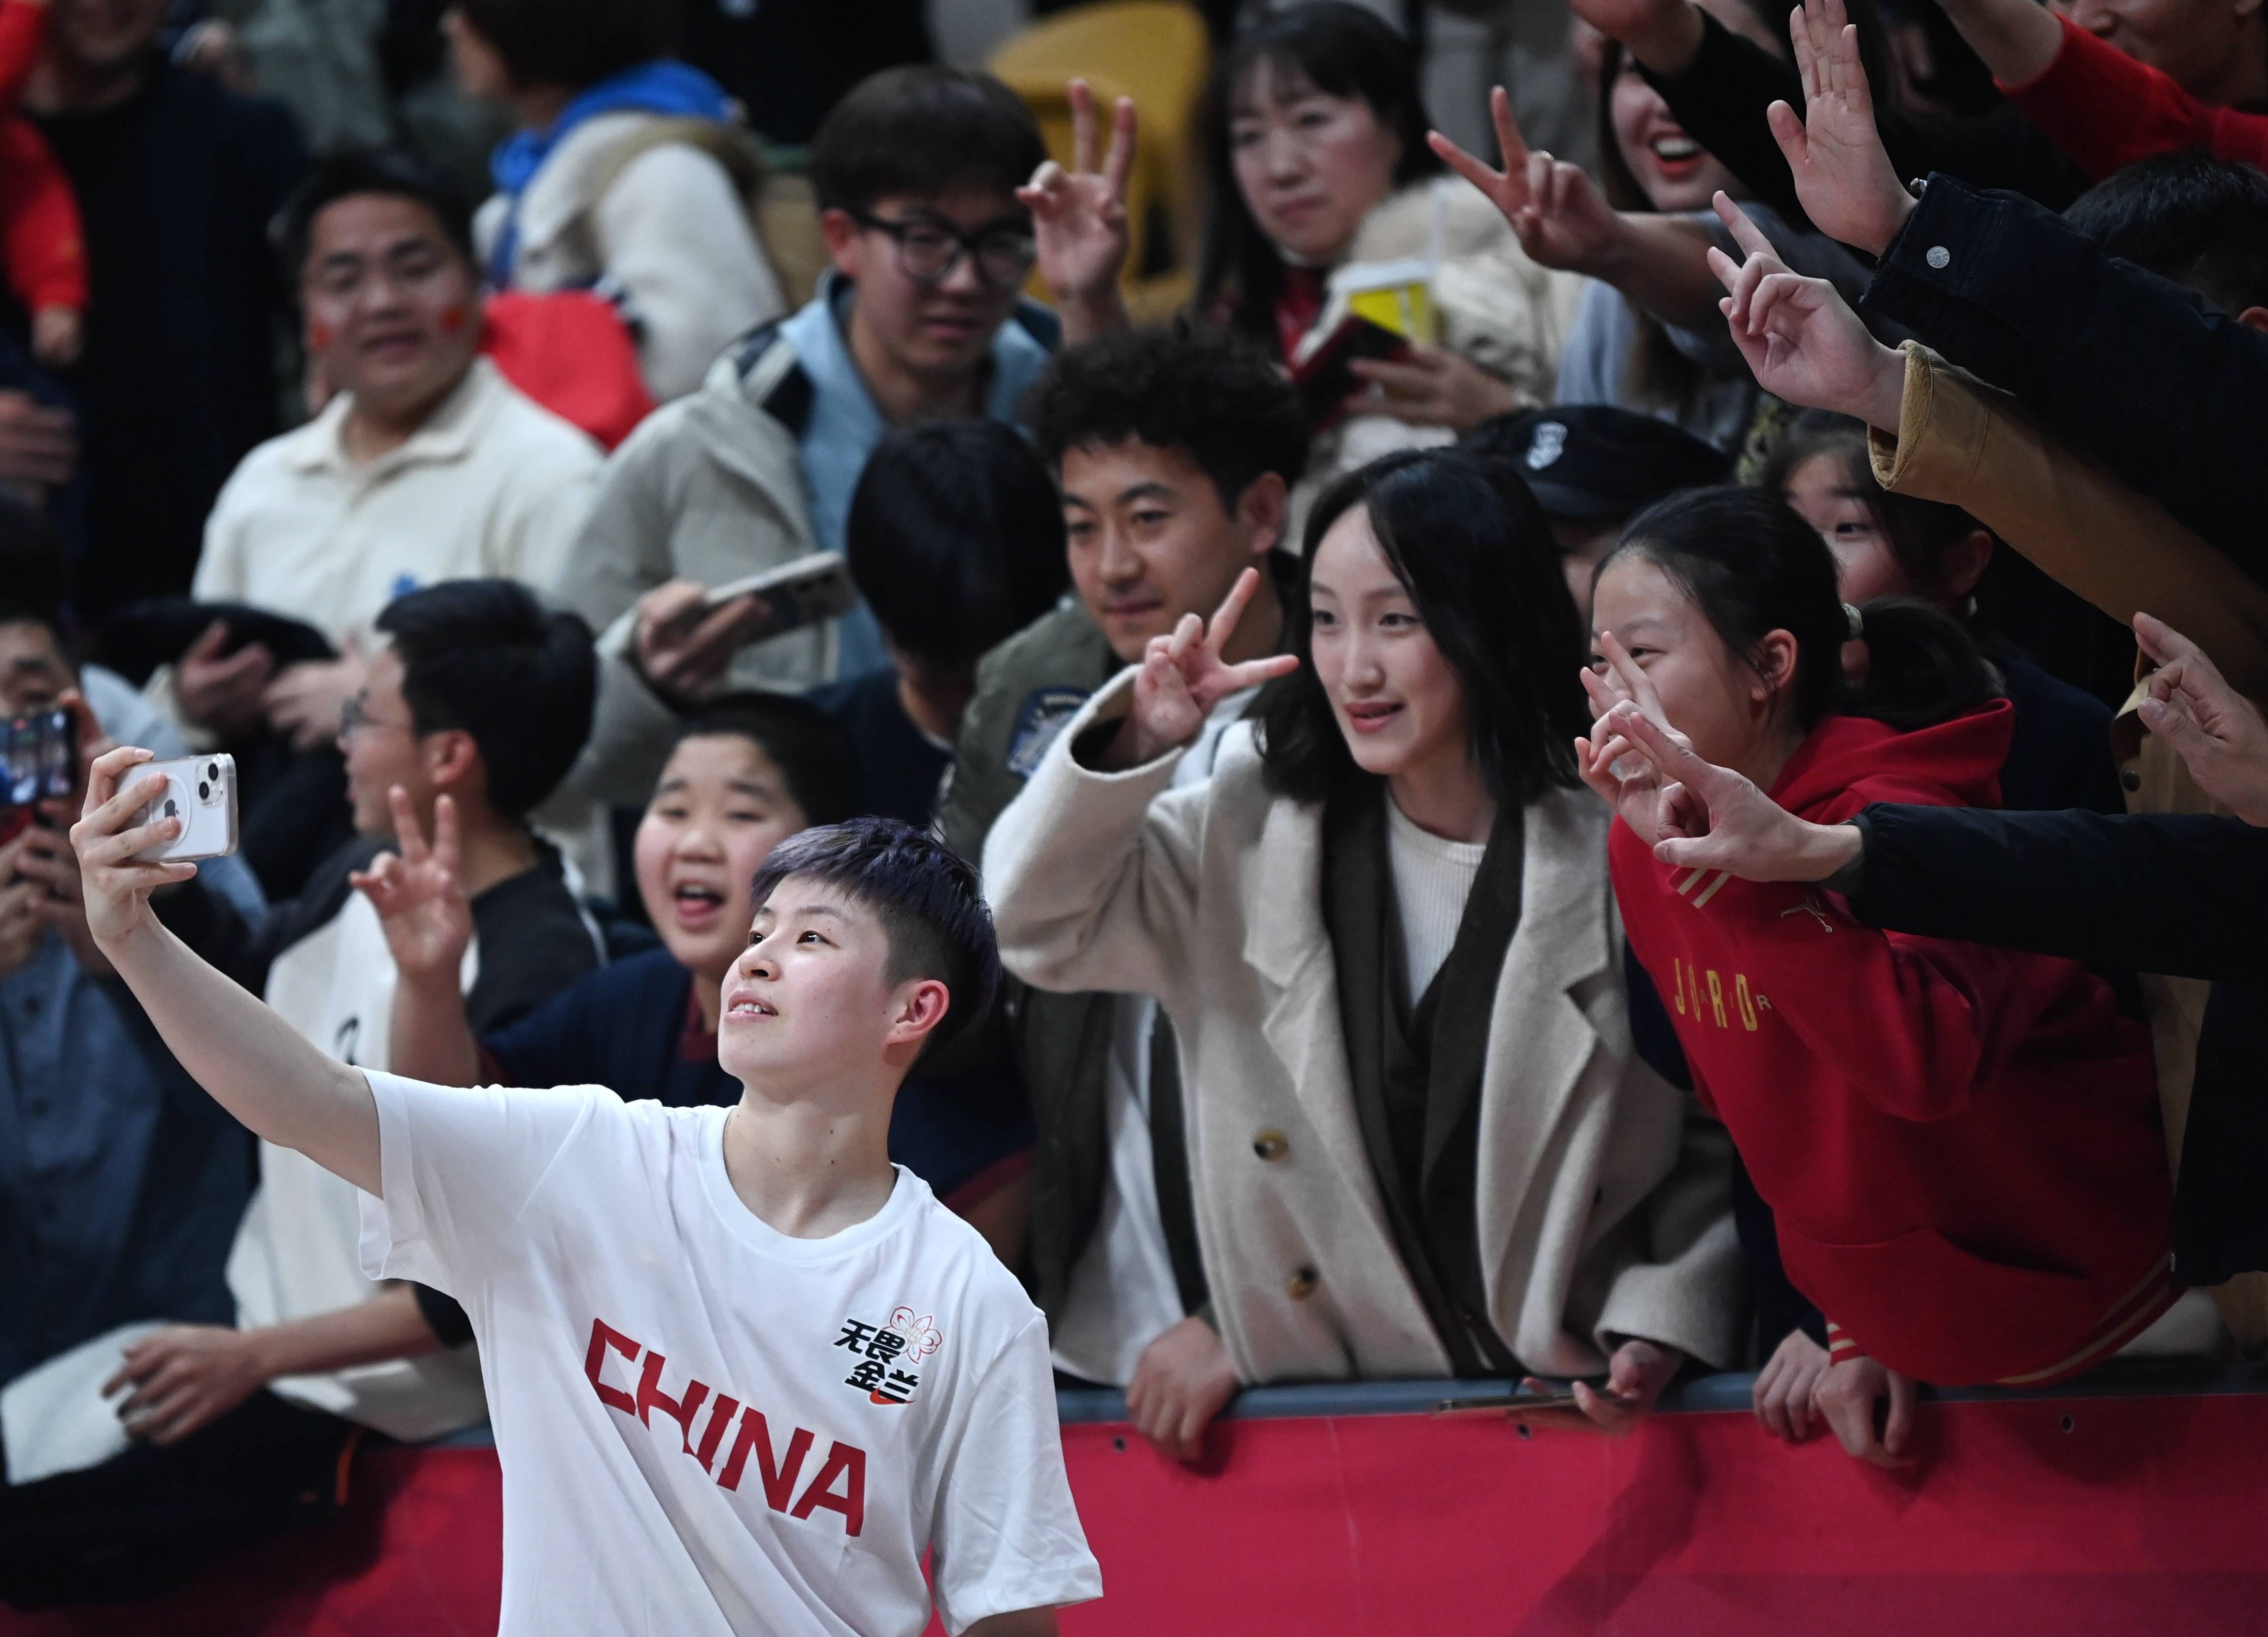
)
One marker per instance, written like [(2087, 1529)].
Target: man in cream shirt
[(425, 464)]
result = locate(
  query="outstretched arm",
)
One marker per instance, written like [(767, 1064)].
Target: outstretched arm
[(1562, 221), (253, 1064)]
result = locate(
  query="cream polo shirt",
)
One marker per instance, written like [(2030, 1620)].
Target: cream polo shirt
[(492, 486)]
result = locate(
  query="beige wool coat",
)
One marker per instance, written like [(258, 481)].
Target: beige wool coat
[(1603, 1194)]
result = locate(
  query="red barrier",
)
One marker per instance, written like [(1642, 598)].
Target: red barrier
[(2076, 1517)]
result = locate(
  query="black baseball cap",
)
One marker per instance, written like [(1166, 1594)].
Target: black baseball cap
[(1595, 462)]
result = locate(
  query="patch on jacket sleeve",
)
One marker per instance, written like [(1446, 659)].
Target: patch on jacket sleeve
[(1046, 711)]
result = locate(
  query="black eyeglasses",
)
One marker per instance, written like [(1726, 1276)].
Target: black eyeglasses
[(928, 250)]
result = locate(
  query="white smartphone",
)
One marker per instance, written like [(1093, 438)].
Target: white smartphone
[(799, 593), (201, 791)]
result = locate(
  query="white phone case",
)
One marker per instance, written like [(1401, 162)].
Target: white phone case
[(201, 791)]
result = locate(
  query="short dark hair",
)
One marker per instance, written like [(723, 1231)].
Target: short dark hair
[(574, 43), (1472, 548), (927, 897), (481, 656), (955, 538), (357, 171), (2199, 221), (1210, 394), (813, 753), (1750, 563), (1342, 50), (919, 129)]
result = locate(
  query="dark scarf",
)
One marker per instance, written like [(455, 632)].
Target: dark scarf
[(1417, 1077)]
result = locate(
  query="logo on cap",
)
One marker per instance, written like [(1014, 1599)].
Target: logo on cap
[(1550, 442)]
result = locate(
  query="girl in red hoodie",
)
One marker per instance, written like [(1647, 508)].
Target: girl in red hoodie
[(1962, 1145)]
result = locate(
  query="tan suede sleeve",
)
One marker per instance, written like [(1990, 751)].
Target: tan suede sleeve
[(1970, 445)]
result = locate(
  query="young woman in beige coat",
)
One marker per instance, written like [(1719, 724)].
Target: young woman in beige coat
[(1420, 1141)]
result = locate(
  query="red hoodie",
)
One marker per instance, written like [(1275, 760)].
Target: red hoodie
[(1962, 1143)]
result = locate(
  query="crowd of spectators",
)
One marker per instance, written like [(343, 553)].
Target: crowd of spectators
[(1689, 815)]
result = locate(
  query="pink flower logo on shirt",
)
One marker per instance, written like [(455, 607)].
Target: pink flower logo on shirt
[(921, 1335)]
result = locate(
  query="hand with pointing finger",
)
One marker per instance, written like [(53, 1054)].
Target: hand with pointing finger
[(1183, 677), (2218, 734), (1079, 219)]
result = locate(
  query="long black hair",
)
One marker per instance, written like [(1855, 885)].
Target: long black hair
[(1342, 50), (1471, 545), (1752, 565)]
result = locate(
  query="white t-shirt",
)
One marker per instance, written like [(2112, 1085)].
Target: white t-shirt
[(707, 1427)]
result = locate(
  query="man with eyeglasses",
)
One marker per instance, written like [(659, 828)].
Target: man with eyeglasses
[(936, 202)]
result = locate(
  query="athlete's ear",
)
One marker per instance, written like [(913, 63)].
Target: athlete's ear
[(917, 1007)]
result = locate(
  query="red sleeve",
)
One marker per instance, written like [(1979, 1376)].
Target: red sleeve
[(23, 25), (40, 241), (2106, 110)]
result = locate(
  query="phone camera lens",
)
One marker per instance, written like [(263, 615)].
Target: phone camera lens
[(212, 772), (204, 790)]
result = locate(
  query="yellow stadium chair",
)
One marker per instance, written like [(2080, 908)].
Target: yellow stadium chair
[(1156, 52)]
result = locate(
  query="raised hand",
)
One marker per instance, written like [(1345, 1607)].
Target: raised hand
[(1712, 818), (1798, 336), (1557, 213), (2218, 733), (419, 893), (1078, 218), (1183, 676), (115, 885), (1630, 784), (1843, 173)]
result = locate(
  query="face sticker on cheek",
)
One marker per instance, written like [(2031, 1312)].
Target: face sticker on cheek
[(318, 335), (454, 320)]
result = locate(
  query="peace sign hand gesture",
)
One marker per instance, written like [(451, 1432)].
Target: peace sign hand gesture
[(1079, 218), (1183, 676), (1628, 782), (419, 893), (1843, 175), (1798, 336), (1555, 211), (1712, 818)]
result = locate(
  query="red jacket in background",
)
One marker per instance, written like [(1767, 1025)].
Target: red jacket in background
[(2106, 110), (1962, 1145), (42, 247)]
